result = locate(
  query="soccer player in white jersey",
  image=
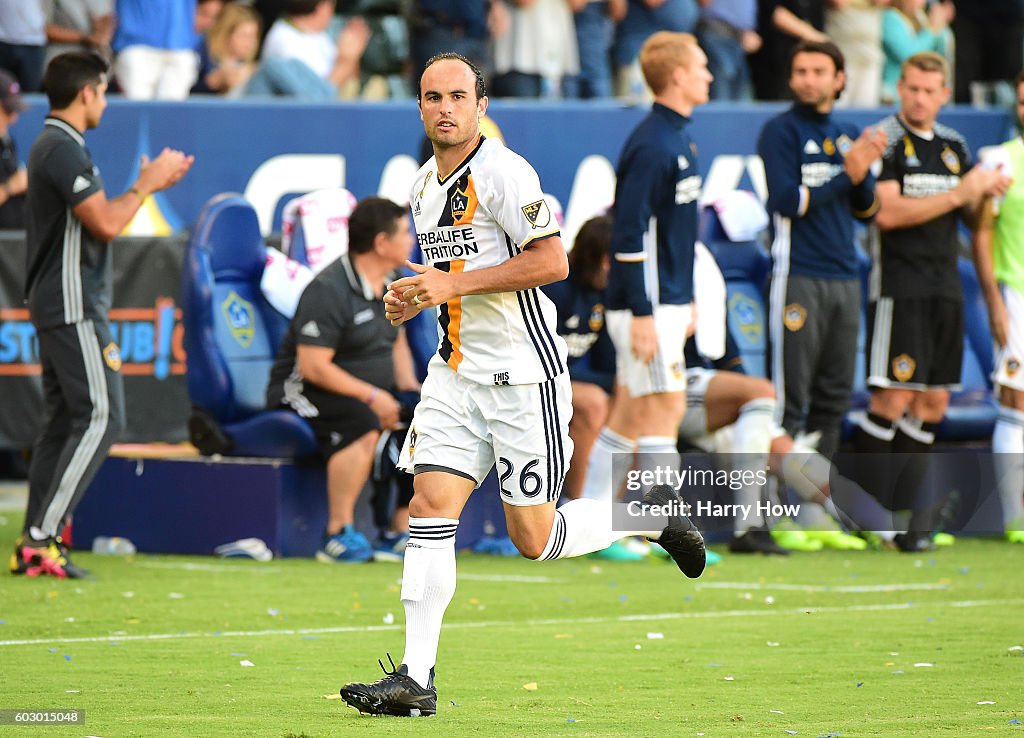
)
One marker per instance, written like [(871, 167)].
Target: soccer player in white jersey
[(497, 391)]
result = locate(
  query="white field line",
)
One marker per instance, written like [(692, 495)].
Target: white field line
[(518, 578), (837, 589), (712, 614)]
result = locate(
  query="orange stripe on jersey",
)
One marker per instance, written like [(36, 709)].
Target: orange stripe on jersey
[(451, 346)]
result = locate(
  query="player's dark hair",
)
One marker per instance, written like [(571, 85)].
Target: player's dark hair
[(589, 251), (827, 48), (481, 86), (371, 216), (68, 73)]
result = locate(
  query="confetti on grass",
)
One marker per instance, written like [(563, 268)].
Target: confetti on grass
[(530, 686)]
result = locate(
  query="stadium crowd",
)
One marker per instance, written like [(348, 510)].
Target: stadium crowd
[(327, 49)]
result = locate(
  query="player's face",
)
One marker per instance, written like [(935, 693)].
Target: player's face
[(922, 95), (95, 102), (696, 78), (448, 104), (1020, 103), (815, 81)]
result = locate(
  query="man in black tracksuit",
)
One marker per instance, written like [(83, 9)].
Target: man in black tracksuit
[(69, 224), (818, 179)]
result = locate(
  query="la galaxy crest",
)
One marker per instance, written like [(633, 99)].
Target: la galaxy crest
[(458, 204), (903, 367), (951, 160), (794, 316), (112, 356), (537, 213), (241, 318)]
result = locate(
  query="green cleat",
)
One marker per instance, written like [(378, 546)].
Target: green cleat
[(792, 537)]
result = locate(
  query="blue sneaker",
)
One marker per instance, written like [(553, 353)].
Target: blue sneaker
[(495, 546), (390, 547), (348, 546)]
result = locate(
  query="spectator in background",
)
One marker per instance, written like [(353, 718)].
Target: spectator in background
[(301, 58), (79, 25), (462, 26), (907, 30), (999, 256), (13, 176), (989, 37), (155, 46), (341, 362), (23, 41), (855, 26), (595, 29), (644, 18), (231, 48), (728, 33), (783, 23), (537, 51), (817, 172)]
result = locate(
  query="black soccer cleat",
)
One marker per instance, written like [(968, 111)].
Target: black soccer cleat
[(680, 538), (757, 540), (396, 694)]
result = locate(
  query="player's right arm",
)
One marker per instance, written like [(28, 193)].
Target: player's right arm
[(105, 219), (981, 242)]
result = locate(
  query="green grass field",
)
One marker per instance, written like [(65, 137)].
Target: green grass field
[(861, 644)]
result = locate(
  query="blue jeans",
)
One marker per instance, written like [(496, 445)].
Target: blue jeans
[(641, 21), (290, 78), (594, 31), (728, 63)]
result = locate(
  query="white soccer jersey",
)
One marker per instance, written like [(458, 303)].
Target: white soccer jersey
[(485, 212)]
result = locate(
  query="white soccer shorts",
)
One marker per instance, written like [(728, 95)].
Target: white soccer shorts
[(465, 428), (667, 372)]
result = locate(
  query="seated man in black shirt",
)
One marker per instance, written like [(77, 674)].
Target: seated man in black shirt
[(341, 363)]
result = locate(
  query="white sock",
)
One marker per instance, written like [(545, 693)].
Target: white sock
[(1008, 447), (583, 526), (653, 451), (605, 479), (428, 585), (751, 442)]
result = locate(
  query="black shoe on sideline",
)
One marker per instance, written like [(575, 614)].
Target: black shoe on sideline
[(914, 542), (396, 694), (757, 540)]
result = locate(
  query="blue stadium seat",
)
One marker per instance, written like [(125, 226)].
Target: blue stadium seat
[(231, 337), (745, 266)]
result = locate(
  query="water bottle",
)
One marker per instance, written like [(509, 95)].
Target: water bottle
[(112, 546)]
